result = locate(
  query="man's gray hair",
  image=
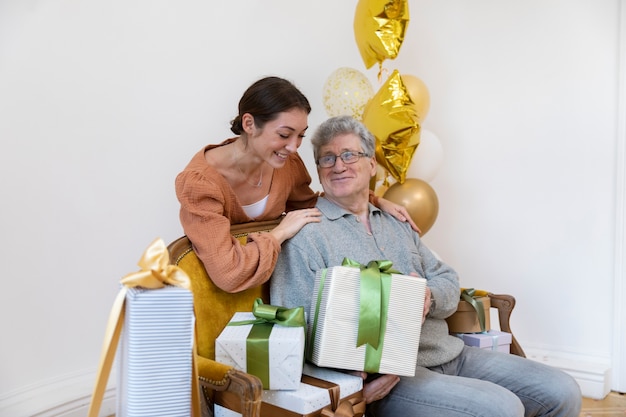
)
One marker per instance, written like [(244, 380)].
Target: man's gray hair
[(341, 125)]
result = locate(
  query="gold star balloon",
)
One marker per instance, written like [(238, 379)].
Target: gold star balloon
[(379, 28), (394, 119)]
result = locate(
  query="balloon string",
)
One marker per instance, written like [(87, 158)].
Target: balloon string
[(384, 177), (386, 180), (381, 71)]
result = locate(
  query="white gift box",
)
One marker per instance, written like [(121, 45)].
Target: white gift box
[(333, 322), (286, 351), (154, 358), (349, 384), (307, 399)]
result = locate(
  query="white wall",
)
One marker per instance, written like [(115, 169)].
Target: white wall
[(524, 98), (102, 103)]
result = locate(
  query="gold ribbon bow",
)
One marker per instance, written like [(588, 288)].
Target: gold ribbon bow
[(350, 407), (156, 272)]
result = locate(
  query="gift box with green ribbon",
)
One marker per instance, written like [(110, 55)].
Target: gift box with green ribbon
[(472, 314), (366, 318), (267, 342)]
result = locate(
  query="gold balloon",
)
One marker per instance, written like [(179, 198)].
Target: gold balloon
[(379, 28), (392, 118), (419, 95), (420, 201)]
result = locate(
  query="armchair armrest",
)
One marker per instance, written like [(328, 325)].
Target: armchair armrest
[(505, 303), (217, 379)]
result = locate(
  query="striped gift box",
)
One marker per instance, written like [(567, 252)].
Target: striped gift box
[(334, 320), (154, 358)]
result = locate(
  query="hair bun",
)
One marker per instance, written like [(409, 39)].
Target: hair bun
[(235, 126)]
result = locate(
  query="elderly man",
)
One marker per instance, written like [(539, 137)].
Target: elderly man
[(450, 379)]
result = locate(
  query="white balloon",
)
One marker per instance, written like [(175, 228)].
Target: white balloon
[(346, 92), (427, 159)]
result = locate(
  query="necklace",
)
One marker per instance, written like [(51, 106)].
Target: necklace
[(259, 183)]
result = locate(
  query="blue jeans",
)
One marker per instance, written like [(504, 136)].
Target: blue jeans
[(483, 383)]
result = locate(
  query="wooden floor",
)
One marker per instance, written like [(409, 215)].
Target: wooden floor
[(612, 405)]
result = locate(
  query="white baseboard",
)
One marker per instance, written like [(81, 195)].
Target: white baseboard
[(66, 396), (592, 374), (70, 395)]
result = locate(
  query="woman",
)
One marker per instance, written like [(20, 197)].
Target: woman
[(255, 176)]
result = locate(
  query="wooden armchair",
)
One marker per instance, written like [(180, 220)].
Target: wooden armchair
[(505, 303), (214, 308)]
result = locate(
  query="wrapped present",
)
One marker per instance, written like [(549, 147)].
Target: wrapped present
[(472, 314), (492, 340), (348, 383), (152, 321), (366, 318), (154, 366), (322, 392), (267, 343)]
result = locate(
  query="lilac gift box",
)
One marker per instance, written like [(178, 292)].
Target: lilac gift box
[(492, 340)]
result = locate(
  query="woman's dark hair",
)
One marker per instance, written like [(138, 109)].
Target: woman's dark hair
[(265, 99)]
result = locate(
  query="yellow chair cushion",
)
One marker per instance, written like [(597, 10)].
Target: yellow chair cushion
[(213, 306)]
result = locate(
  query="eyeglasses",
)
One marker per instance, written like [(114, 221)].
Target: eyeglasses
[(347, 157)]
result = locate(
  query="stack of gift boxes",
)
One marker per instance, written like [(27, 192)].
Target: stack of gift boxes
[(475, 329), (336, 340), (273, 350), (340, 334)]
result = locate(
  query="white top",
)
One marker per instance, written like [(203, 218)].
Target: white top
[(254, 210)]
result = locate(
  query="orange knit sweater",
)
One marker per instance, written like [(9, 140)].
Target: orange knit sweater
[(208, 207)]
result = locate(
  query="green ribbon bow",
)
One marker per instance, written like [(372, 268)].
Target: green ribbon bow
[(468, 295), (257, 342), (374, 300), (267, 313), (374, 291)]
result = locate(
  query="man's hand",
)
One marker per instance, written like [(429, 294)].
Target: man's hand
[(427, 302), (378, 388)]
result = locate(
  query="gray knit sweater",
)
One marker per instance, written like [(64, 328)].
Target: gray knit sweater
[(339, 236)]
